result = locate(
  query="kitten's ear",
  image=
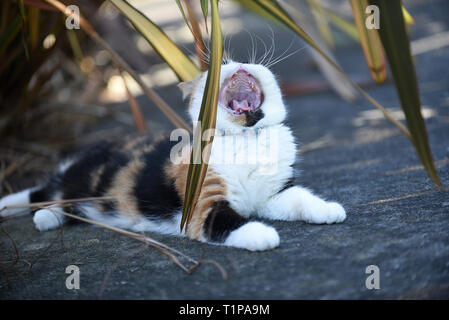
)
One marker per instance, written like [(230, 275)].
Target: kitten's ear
[(187, 87)]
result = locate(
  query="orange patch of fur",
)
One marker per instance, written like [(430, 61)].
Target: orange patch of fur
[(123, 186), (213, 190)]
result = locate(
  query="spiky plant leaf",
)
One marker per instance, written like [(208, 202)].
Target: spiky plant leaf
[(206, 121), (370, 41), (397, 48)]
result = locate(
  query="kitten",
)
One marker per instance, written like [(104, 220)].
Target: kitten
[(146, 177)]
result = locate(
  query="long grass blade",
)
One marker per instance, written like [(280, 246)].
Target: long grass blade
[(205, 10), (200, 48), (184, 68), (397, 48), (370, 41), (192, 24), (206, 121), (181, 9)]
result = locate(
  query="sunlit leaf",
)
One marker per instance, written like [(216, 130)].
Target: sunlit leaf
[(207, 118), (200, 48), (370, 41), (407, 16), (184, 68), (397, 48)]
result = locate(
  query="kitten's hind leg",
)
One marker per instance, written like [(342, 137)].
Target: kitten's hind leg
[(48, 218), (297, 203), (224, 225), (9, 204)]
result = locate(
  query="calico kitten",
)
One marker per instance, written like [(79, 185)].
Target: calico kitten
[(146, 182)]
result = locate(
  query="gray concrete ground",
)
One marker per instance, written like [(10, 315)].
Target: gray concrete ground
[(397, 219)]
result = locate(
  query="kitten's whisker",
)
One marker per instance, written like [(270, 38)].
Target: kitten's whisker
[(273, 46), (265, 50), (204, 56), (287, 56), (228, 52), (254, 49), (273, 61), (250, 54)]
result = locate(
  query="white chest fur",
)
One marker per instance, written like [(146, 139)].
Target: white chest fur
[(255, 164)]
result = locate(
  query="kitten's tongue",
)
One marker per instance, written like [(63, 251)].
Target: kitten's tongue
[(241, 93), (240, 106)]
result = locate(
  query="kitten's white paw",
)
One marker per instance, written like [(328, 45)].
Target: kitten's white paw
[(22, 197), (326, 212), (254, 236), (46, 219)]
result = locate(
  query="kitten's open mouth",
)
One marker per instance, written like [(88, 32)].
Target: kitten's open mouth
[(241, 93)]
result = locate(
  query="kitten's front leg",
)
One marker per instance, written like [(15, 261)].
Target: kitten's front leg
[(297, 203), (215, 221)]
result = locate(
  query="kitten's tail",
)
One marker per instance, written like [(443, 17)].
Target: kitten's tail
[(14, 204)]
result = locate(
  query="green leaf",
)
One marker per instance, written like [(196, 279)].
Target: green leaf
[(370, 41), (178, 2), (207, 119), (205, 9), (184, 68), (397, 48), (407, 16)]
